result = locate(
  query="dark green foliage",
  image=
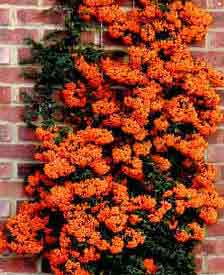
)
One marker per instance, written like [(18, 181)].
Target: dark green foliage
[(171, 257), (164, 35), (54, 65), (160, 182), (172, 92), (181, 129), (62, 134), (81, 174), (163, 7), (90, 51)]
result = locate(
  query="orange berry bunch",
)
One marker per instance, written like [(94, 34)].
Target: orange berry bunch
[(126, 189)]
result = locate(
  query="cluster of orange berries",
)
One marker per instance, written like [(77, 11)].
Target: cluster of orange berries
[(146, 22), (83, 149), (160, 103)]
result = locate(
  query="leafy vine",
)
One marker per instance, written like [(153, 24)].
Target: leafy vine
[(123, 188)]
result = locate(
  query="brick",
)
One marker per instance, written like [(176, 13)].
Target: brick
[(4, 55), (12, 75), (218, 137), (5, 133), (213, 246), (48, 2), (4, 210), (4, 17), (19, 2), (220, 172), (216, 39), (23, 54), (17, 151), (198, 263), (16, 36), (18, 264), (5, 95), (220, 188), (25, 169), (11, 189), (216, 229), (121, 2), (88, 37), (26, 134), (197, 251), (38, 17), (215, 4), (214, 58), (221, 94), (215, 153), (200, 3), (216, 264), (5, 170), (11, 113), (217, 19)]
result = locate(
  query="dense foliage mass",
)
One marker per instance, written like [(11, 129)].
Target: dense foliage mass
[(124, 187)]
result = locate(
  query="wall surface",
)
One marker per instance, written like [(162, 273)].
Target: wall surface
[(23, 18)]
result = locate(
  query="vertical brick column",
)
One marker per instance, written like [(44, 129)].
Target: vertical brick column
[(24, 18), (213, 247), (19, 19)]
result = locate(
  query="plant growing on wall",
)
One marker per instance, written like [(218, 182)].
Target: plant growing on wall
[(123, 188)]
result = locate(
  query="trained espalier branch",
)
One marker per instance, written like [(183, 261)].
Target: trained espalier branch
[(124, 188)]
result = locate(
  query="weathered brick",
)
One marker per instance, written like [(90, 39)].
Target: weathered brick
[(16, 36), (38, 17), (5, 170), (4, 17), (216, 40), (215, 153), (19, 2), (9, 189), (215, 4), (217, 19), (88, 37), (215, 264), (200, 3), (26, 134), (18, 264), (12, 75), (198, 263), (17, 151), (218, 137), (197, 251), (213, 246), (4, 55), (4, 210), (23, 54), (214, 58), (220, 172), (216, 229), (5, 95), (220, 189), (221, 94), (48, 2), (5, 133), (11, 113)]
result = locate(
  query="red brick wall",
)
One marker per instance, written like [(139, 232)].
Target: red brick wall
[(22, 18)]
